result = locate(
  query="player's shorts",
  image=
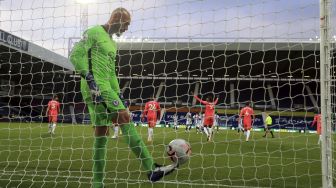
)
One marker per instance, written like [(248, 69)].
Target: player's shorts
[(151, 121), (247, 127), (208, 122), (268, 127), (53, 118), (318, 130), (100, 115)]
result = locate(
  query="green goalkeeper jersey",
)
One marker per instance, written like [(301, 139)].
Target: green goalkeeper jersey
[(96, 53)]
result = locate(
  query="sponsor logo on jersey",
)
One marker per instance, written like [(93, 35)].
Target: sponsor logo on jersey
[(115, 103)]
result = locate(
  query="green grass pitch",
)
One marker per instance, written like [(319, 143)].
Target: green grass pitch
[(30, 157)]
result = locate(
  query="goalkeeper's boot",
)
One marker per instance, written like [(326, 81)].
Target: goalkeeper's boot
[(160, 171)]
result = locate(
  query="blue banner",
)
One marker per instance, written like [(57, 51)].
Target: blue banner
[(230, 121)]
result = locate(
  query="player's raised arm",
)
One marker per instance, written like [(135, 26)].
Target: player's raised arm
[(314, 121), (48, 108), (200, 100), (216, 101), (158, 110), (144, 112), (58, 107)]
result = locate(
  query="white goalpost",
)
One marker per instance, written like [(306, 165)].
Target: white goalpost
[(276, 56), (326, 82)]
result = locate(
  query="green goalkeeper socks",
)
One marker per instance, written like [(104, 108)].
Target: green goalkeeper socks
[(137, 146), (99, 160)]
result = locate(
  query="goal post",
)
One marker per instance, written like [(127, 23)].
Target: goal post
[(326, 83)]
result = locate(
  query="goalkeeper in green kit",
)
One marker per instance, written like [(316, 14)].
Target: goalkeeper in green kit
[(94, 59)]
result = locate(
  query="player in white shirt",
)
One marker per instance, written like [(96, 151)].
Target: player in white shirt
[(216, 121), (240, 125), (197, 122), (188, 122), (199, 125), (175, 120)]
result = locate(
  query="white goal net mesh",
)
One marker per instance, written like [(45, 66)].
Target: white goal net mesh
[(262, 52)]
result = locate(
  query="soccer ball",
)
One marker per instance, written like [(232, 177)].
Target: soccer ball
[(179, 151)]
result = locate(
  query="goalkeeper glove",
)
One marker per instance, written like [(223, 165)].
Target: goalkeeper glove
[(94, 89), (125, 102)]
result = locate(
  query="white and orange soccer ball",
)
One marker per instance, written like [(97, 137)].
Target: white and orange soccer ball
[(179, 151)]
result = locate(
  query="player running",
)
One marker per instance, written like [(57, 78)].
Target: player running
[(94, 58), (152, 112), (52, 113), (246, 115), (208, 115), (318, 122)]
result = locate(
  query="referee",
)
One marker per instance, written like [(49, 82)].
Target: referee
[(268, 123)]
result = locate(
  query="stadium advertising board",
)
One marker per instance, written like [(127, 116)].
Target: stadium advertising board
[(282, 123), (13, 41)]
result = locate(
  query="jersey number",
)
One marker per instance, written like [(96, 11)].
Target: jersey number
[(152, 107)]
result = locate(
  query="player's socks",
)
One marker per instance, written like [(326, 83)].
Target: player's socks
[(137, 146), (272, 134), (116, 132), (50, 127), (320, 139), (150, 135), (247, 135), (210, 131), (99, 155), (206, 131), (53, 128)]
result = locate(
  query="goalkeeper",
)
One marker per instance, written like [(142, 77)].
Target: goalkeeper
[(94, 59)]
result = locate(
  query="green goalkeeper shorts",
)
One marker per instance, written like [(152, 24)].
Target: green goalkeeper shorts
[(99, 115), (102, 116)]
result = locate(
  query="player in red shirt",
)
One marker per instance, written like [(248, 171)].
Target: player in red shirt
[(152, 112), (209, 114), (318, 122), (52, 113), (246, 114)]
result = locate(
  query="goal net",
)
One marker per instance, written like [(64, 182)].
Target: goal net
[(266, 53)]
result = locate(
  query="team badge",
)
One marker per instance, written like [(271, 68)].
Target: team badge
[(115, 103)]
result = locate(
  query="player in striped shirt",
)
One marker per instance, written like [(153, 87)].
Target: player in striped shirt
[(198, 122), (188, 122)]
